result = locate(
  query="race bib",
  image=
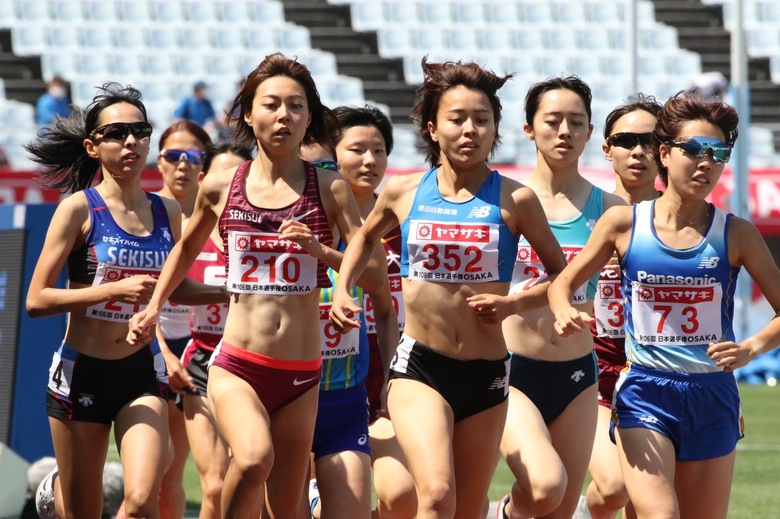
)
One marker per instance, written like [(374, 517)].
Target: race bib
[(676, 314), (395, 292), (529, 270), (210, 318), (114, 310), (608, 306), (335, 345), (263, 263), (453, 252)]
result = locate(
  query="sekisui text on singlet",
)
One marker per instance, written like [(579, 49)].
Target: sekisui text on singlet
[(457, 242), (677, 301), (259, 261), (572, 235), (110, 254), (207, 322)]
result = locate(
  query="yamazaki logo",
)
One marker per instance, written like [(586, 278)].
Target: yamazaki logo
[(525, 254), (453, 232)]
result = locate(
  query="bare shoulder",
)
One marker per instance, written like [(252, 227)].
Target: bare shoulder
[(216, 185), (331, 180), (75, 208), (612, 200), (399, 185), (515, 189), (71, 218), (743, 234), (171, 205), (618, 217)]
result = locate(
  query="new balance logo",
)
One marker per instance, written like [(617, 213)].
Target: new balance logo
[(578, 375), (709, 262), (648, 419), (499, 383), (482, 211)]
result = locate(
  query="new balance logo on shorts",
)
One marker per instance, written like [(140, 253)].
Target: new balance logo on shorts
[(499, 383)]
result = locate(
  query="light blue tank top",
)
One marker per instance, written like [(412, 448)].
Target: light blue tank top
[(457, 242), (677, 301), (572, 235)]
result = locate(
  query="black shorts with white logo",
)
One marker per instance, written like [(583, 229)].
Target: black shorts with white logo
[(87, 389), (469, 386), (552, 385)]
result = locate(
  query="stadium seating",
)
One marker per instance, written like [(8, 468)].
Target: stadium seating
[(172, 42), (166, 45)]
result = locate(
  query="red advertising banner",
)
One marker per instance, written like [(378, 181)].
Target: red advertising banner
[(763, 190)]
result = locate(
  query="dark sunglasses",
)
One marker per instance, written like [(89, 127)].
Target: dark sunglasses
[(698, 147), (629, 140), (189, 156), (120, 131), (326, 164)]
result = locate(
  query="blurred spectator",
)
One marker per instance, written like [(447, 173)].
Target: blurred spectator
[(54, 102), (198, 108), (230, 115), (713, 85)]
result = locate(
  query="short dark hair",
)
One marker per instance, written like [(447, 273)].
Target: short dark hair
[(225, 147), (349, 117), (636, 103), (185, 125), (534, 96), (439, 78), (684, 107), (274, 65)]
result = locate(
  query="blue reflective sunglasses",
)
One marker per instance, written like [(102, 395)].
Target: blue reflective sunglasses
[(175, 156), (698, 146), (326, 164)]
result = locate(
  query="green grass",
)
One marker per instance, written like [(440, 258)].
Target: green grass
[(755, 493)]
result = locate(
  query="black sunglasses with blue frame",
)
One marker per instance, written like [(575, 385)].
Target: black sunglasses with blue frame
[(698, 146), (120, 131)]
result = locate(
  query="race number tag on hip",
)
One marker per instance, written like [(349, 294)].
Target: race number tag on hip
[(114, 310), (608, 307), (335, 345), (394, 281), (453, 252), (529, 270), (262, 263), (210, 318), (676, 314)]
